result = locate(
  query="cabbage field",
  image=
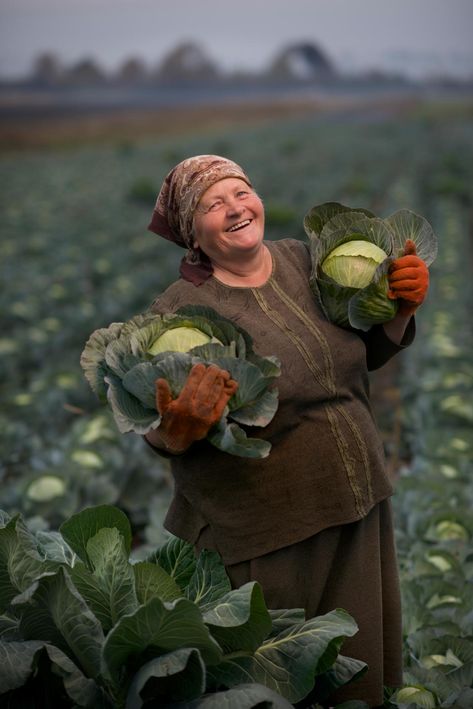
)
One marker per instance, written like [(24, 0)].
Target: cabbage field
[(76, 256)]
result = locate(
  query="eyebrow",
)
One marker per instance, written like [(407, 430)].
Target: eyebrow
[(220, 195)]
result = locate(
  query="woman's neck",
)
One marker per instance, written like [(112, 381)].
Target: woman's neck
[(251, 272)]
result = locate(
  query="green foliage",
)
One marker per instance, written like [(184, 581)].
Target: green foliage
[(100, 631), (143, 190), (434, 499)]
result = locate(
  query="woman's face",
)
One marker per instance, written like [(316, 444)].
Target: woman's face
[(229, 220)]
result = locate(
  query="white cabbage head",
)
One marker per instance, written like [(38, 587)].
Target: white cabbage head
[(353, 263), (180, 339)]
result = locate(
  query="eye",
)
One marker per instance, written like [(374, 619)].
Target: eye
[(242, 194), (215, 206)]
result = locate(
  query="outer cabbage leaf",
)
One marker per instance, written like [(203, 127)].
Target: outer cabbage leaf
[(318, 216), (230, 438), (374, 230), (93, 357), (409, 225), (243, 696), (128, 411), (177, 675), (259, 412), (239, 621), (140, 380), (334, 300), (289, 662), (371, 305), (251, 384)]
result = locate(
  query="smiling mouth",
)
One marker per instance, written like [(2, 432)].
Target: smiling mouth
[(240, 225)]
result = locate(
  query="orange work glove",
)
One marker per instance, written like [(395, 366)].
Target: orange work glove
[(408, 280), (198, 407)]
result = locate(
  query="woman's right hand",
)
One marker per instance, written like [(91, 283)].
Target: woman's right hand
[(198, 407)]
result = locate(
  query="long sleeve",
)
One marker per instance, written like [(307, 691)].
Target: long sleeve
[(380, 349)]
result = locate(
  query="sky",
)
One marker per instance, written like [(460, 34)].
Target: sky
[(418, 37)]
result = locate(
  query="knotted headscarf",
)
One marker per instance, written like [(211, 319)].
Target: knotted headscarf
[(177, 200)]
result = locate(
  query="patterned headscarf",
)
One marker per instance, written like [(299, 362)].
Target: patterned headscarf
[(178, 198)]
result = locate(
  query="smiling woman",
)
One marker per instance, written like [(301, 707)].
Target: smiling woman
[(311, 522)]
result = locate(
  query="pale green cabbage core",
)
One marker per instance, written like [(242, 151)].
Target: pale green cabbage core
[(46, 488), (180, 339), (353, 263)]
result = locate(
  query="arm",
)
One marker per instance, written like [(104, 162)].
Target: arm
[(408, 283), (396, 328)]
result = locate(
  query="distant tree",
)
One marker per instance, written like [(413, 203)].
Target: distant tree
[(47, 69), (85, 73), (303, 61), (132, 71), (187, 62)]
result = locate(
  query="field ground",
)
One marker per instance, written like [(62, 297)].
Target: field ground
[(51, 127)]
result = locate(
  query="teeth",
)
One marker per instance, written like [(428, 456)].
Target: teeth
[(239, 225)]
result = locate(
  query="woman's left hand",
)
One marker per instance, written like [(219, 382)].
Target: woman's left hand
[(408, 279)]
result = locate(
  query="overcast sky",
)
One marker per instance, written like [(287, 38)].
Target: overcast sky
[(418, 36)]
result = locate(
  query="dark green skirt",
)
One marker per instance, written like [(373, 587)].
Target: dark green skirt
[(351, 566)]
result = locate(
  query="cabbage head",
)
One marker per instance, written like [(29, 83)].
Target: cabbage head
[(353, 263), (123, 361), (351, 251), (180, 339)]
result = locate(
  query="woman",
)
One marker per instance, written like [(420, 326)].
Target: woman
[(312, 522)]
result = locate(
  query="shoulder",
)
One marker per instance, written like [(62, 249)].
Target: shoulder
[(292, 254), (178, 293), (181, 293)]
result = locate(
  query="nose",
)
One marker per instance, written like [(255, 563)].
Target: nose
[(234, 206)]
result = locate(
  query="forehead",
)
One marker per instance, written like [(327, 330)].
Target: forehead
[(220, 188)]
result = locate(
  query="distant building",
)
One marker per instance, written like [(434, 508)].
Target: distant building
[(302, 62)]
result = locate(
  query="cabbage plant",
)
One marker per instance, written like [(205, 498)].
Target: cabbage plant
[(123, 361), (84, 625), (351, 251)]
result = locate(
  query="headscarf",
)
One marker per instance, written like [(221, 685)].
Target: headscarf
[(177, 200)]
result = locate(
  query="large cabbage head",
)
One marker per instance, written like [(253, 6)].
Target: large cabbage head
[(123, 362), (351, 251)]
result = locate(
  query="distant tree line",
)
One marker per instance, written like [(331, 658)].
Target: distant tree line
[(187, 63)]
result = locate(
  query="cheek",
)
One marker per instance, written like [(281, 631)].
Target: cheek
[(204, 233)]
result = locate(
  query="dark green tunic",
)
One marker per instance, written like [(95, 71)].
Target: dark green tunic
[(326, 466)]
